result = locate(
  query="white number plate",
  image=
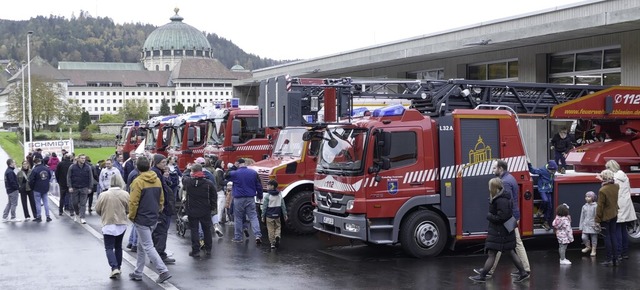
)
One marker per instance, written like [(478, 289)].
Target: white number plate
[(327, 220)]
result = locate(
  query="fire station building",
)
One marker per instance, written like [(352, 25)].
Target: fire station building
[(590, 42)]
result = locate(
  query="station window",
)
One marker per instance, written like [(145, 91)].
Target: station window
[(504, 70), (433, 74), (590, 67)]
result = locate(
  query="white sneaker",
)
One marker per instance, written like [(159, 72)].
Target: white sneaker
[(27, 219), (82, 221), (75, 218), (565, 262), (4, 220), (15, 220)]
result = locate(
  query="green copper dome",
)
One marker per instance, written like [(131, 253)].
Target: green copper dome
[(176, 35)]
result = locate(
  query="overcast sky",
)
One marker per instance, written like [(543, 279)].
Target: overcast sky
[(296, 29)]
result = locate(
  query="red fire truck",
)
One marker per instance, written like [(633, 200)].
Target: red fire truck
[(419, 176), (130, 136), (294, 158), (236, 133)]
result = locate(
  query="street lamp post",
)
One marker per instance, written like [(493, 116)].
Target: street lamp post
[(24, 117), (29, 76)]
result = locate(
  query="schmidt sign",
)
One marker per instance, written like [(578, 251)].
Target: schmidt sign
[(50, 146)]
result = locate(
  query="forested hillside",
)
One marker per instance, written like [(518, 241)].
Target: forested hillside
[(90, 39)]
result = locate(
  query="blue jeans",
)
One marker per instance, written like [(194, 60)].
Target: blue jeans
[(133, 236), (245, 206), (609, 231), (547, 206), (41, 198), (146, 249), (113, 247)]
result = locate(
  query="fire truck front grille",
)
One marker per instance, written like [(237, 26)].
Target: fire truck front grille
[(332, 202), (264, 179)]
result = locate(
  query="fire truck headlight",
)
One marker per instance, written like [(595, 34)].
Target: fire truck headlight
[(352, 228), (350, 204)]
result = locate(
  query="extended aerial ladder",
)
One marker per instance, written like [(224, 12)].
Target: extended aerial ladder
[(436, 97)]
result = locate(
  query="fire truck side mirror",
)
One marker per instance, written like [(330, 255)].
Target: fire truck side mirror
[(306, 136), (383, 141), (386, 163), (236, 128), (118, 137)]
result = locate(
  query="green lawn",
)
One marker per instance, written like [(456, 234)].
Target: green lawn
[(9, 143)]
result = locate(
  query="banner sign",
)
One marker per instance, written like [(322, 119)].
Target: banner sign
[(50, 146)]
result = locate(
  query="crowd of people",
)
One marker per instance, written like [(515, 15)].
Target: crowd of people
[(606, 213), (147, 191)]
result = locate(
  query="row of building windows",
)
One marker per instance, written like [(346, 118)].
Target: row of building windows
[(157, 101), (593, 67), (177, 52), (171, 93)]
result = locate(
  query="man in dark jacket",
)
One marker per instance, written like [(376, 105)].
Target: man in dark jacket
[(246, 187), (12, 186), (39, 183), (130, 164), (80, 182), (61, 176), (561, 144), (200, 204), (164, 220), (146, 200)]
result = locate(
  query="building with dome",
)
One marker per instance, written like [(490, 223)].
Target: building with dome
[(176, 66), (172, 42)]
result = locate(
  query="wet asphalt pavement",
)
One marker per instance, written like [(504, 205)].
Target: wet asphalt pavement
[(63, 254)]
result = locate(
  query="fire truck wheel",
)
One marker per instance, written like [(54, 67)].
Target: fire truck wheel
[(300, 213), (634, 227), (423, 234)]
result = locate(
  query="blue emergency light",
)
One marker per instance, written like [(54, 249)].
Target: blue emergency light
[(167, 118), (359, 112), (136, 123), (389, 111), (235, 103)]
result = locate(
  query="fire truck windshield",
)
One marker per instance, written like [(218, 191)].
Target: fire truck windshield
[(343, 148), (289, 142), (151, 138), (124, 135), (216, 132)]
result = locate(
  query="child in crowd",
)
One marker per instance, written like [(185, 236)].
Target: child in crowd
[(564, 233), (273, 208), (588, 224)]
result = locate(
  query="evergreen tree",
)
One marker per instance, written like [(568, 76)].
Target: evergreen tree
[(179, 108), (85, 120), (164, 108)]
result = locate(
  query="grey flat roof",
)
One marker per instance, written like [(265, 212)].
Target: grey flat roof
[(583, 19)]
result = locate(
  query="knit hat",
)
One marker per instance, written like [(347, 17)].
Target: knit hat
[(200, 160), (157, 158), (552, 165)]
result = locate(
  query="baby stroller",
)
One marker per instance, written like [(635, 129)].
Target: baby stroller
[(182, 220)]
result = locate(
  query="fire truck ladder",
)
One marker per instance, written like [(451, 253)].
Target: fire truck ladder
[(523, 98)]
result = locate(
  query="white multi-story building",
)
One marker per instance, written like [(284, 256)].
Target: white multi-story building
[(177, 66)]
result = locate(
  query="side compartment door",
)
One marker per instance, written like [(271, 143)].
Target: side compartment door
[(479, 141)]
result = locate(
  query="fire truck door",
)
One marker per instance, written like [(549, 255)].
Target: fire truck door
[(479, 141)]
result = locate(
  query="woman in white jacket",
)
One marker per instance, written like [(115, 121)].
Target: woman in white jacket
[(626, 212)]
